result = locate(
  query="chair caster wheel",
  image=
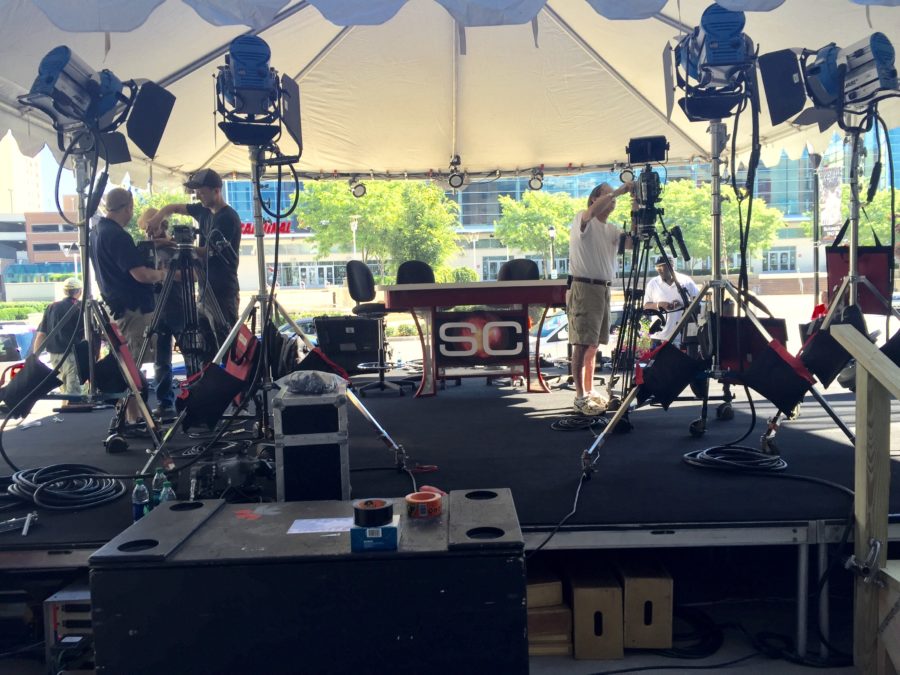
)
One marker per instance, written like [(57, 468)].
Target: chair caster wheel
[(697, 428), (725, 412), (115, 444)]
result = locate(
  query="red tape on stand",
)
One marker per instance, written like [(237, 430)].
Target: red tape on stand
[(423, 505), (372, 512)]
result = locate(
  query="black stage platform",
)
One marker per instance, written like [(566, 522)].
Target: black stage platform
[(642, 494), (495, 436)]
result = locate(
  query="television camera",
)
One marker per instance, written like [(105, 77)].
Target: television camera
[(184, 235)]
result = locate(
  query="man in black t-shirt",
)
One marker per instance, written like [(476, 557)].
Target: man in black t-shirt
[(60, 328), (220, 241), (126, 282)]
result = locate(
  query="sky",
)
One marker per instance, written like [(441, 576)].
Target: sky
[(49, 169)]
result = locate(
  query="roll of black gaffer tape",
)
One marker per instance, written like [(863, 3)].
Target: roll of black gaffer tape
[(372, 512)]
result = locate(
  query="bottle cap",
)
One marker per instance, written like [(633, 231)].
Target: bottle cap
[(167, 484), (138, 481)]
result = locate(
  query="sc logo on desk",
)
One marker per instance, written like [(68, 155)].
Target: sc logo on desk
[(481, 337)]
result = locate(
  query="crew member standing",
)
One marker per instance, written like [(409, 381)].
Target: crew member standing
[(220, 241), (593, 244), (63, 323), (661, 294), (125, 281)]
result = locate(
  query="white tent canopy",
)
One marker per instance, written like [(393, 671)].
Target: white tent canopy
[(413, 82)]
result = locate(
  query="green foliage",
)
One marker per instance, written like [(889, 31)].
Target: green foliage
[(396, 221), (525, 224), (400, 330), (688, 205), (157, 200), (17, 311), (876, 215), (455, 275)]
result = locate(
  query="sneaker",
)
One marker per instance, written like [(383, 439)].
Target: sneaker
[(598, 397), (586, 406)]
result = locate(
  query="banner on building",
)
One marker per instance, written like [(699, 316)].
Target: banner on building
[(831, 180)]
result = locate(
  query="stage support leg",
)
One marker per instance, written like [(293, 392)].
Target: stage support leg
[(802, 596), (824, 619)]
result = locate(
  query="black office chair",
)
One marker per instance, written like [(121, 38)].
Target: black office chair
[(418, 272), (415, 272), (361, 284), (518, 269)]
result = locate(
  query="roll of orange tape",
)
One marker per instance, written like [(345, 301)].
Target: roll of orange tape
[(423, 505)]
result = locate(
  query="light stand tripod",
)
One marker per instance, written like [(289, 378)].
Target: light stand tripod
[(849, 285), (95, 319), (718, 286), (625, 351)]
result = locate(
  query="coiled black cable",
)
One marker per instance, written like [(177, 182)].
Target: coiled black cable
[(64, 487)]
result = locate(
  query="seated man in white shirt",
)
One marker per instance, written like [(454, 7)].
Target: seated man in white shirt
[(662, 294)]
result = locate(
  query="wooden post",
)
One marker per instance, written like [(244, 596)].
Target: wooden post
[(872, 484)]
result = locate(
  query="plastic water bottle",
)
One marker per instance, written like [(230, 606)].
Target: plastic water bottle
[(167, 494), (156, 487), (140, 500)]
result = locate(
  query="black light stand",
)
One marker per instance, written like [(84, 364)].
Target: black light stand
[(718, 286), (95, 319)]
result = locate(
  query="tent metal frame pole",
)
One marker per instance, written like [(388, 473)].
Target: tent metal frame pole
[(619, 78)]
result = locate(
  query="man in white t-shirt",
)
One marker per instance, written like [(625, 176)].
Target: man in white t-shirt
[(662, 294), (593, 244)]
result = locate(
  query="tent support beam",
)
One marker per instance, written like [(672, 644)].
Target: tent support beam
[(322, 53), (219, 51), (621, 80)]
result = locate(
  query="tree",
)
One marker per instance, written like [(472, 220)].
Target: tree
[(876, 215), (156, 200), (525, 224), (396, 221), (689, 206)]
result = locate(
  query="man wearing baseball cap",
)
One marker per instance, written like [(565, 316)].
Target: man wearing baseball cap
[(59, 330), (663, 294), (220, 241)]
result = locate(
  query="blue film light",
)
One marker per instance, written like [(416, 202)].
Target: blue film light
[(73, 89), (246, 82), (715, 51)]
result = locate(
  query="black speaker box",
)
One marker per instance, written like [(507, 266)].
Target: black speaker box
[(348, 340)]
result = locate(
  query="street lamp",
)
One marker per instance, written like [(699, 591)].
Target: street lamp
[(354, 224), (552, 233)]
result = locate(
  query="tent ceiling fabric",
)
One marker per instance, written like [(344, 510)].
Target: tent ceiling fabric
[(397, 96)]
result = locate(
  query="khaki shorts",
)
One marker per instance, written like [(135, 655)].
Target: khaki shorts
[(133, 325), (587, 307)]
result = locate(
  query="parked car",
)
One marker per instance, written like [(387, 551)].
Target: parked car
[(555, 335), (16, 338)]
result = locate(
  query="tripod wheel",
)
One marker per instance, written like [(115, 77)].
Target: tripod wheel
[(725, 412), (115, 444), (697, 428)]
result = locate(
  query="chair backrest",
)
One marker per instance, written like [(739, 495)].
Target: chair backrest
[(519, 269), (415, 272), (360, 281)]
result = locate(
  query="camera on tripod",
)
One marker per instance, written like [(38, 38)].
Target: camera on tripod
[(184, 235), (648, 188)]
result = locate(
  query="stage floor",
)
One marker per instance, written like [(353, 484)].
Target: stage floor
[(481, 436)]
